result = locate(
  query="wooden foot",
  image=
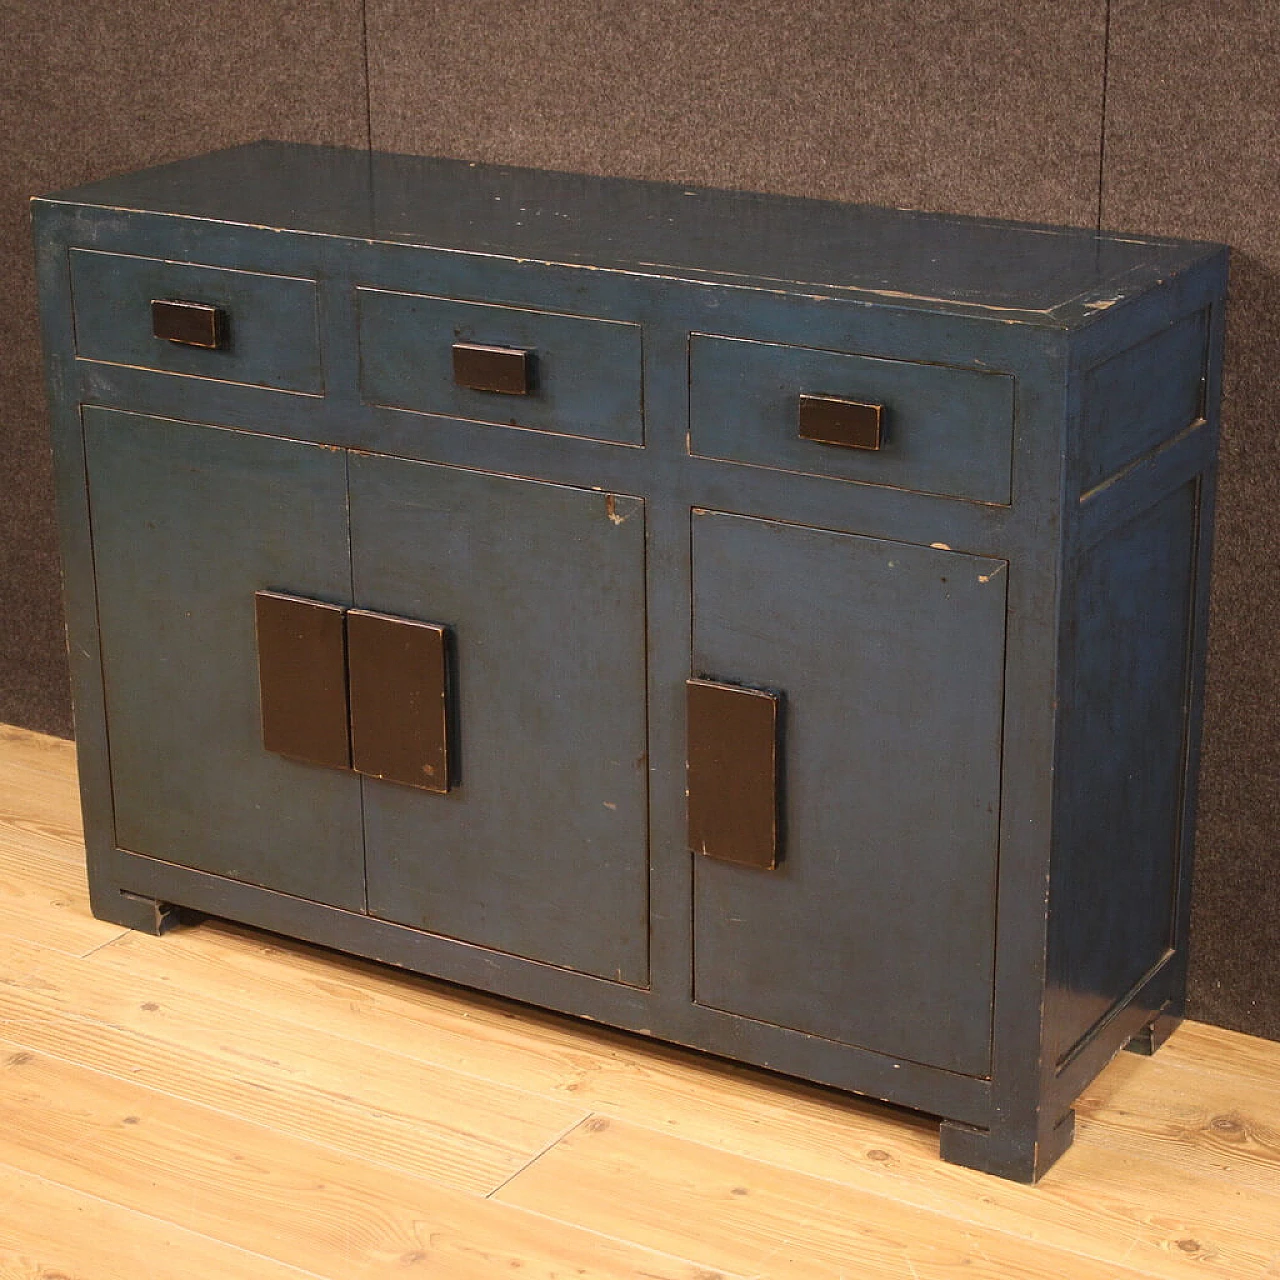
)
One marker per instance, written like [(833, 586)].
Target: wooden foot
[(1155, 1033), (1018, 1156), (132, 911)]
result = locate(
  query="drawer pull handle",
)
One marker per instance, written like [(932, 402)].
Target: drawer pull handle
[(400, 700), (356, 690), (850, 424), (302, 672), (508, 370), (732, 779), (190, 324)]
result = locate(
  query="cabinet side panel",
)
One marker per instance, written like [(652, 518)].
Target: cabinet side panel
[(188, 523), (1143, 396), (1122, 751)]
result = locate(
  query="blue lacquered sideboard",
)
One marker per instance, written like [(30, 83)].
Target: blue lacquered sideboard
[(769, 625)]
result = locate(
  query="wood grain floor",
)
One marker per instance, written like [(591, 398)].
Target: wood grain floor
[(228, 1104)]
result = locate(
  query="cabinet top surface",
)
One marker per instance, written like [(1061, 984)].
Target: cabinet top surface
[(1049, 275)]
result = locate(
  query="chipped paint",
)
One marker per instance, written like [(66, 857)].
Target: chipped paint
[(611, 510)]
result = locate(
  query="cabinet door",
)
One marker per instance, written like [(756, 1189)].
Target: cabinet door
[(188, 523), (877, 926), (539, 847)]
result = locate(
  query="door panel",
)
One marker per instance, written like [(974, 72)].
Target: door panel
[(188, 523), (876, 926), (540, 850)]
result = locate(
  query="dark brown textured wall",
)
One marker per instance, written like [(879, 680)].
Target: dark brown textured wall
[(1193, 149), (975, 108), (89, 88), (998, 108)]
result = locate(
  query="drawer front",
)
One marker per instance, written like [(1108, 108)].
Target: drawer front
[(927, 427), (265, 328), (583, 374)]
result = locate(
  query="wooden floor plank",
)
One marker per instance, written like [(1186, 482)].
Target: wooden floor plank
[(1237, 1058), (20, 958), (44, 802), (39, 798), (1116, 1208), (39, 751), (44, 895), (32, 855), (292, 1201), (372, 1105), (467, 1031), (760, 1219), (1218, 1127), (1174, 1166), (49, 1232)]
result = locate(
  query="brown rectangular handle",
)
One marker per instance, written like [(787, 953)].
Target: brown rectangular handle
[(508, 370), (851, 424), (733, 766), (400, 699), (191, 324), (302, 672)]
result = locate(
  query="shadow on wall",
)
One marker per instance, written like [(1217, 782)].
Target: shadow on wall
[(1239, 816)]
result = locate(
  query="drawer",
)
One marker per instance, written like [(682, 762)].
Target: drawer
[(940, 429), (539, 370), (264, 327)]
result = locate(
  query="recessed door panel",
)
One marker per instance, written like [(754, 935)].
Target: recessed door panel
[(539, 847), (189, 523), (875, 927)]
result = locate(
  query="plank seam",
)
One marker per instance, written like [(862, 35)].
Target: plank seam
[(555, 1142), (167, 1224), (13, 1035), (960, 1215)]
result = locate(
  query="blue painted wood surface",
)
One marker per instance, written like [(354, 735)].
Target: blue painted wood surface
[(188, 522), (1142, 397), (1065, 387), (586, 373), (1047, 275), (947, 431), (270, 321), (541, 849), (890, 661), (1127, 610)]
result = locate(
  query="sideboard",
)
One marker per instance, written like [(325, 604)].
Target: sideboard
[(769, 625)]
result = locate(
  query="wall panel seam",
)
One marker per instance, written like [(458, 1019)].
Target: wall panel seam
[(1102, 124)]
